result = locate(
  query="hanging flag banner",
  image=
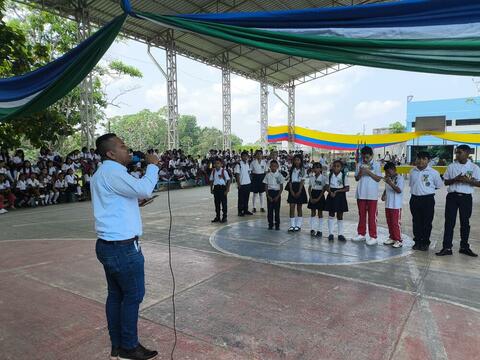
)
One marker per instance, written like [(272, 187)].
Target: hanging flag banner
[(36, 90), (416, 35), (331, 141)]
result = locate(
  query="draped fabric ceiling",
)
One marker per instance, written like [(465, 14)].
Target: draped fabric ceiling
[(416, 35)]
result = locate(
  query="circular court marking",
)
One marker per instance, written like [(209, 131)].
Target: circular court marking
[(252, 240)]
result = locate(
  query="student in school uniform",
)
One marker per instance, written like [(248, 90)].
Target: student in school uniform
[(61, 187), (336, 203), (461, 177), (273, 187), (297, 196), (73, 186), (393, 197), (242, 175), (423, 182), (33, 186), (367, 174), (219, 187), (21, 190), (258, 168), (6, 193), (317, 184)]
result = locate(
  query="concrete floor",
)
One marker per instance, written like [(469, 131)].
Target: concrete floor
[(52, 293)]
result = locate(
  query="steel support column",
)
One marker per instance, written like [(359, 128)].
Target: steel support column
[(226, 106), (87, 109), (264, 114), (291, 117), (172, 93)]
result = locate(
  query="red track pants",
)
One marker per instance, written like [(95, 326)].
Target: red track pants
[(394, 221), (367, 207), (11, 199)]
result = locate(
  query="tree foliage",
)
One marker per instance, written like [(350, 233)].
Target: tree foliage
[(31, 38), (148, 130), (397, 127)]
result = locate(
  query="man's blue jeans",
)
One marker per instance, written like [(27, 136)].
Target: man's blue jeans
[(124, 269)]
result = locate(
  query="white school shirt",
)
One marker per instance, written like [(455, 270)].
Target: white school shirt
[(70, 179), (336, 181), (424, 182), (274, 180), (33, 183), (5, 172), (367, 188), (22, 185), (468, 169), (394, 200), (243, 169), (317, 182), (216, 177), (66, 167), (298, 175), (258, 167), (17, 160), (60, 184), (52, 170), (5, 185)]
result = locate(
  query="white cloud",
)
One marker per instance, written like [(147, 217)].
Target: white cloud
[(375, 108)]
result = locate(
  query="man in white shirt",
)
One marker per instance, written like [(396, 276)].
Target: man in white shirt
[(115, 195), (461, 177), (367, 174), (242, 174), (423, 182)]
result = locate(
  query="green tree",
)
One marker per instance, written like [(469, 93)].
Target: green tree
[(31, 38), (397, 127)]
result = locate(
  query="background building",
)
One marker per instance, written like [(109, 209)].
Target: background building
[(460, 115)]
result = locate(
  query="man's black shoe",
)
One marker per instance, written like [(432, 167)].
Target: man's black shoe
[(341, 238), (277, 227), (467, 252), (241, 214), (270, 227), (330, 237), (248, 213), (138, 353), (216, 220), (424, 247), (416, 247), (114, 353), (262, 210), (444, 252)]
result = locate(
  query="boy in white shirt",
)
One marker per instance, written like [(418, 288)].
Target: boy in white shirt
[(219, 187), (462, 177), (423, 182), (367, 174), (273, 187), (6, 193), (393, 197)]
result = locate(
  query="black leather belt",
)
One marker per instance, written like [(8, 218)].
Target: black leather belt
[(119, 242)]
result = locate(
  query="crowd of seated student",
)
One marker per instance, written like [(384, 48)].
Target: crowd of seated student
[(52, 178)]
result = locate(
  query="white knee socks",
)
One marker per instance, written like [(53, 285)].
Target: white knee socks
[(340, 227), (320, 225), (292, 222), (299, 222), (254, 199), (260, 196), (331, 221), (313, 223)]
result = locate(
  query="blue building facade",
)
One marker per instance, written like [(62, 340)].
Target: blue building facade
[(462, 115)]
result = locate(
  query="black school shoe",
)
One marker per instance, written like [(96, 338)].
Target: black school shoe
[(424, 247), (114, 353), (138, 353), (444, 252), (468, 252), (277, 227), (216, 220), (319, 234), (341, 238), (224, 219), (330, 237), (248, 213), (313, 232), (270, 227), (254, 210), (262, 210)]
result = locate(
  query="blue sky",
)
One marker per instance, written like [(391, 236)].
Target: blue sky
[(343, 102)]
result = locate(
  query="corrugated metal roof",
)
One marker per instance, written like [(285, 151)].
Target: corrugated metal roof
[(279, 69)]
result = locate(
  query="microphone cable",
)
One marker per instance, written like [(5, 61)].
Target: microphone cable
[(171, 269)]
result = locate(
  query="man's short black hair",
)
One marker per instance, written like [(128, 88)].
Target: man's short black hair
[(103, 144), (389, 165), (423, 155), (245, 152), (465, 148), (366, 150)]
